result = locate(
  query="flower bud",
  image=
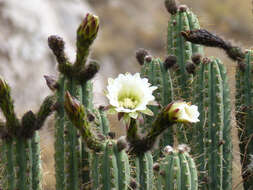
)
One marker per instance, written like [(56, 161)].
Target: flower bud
[(183, 112), (88, 29)]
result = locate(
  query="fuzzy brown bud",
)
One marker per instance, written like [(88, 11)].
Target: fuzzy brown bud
[(170, 61), (196, 58), (171, 6), (190, 67), (140, 55)]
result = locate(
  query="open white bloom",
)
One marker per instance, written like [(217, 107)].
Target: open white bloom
[(130, 94), (183, 112)]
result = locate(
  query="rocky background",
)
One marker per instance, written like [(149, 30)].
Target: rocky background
[(125, 27)]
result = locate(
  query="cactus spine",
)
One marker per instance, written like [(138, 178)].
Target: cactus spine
[(176, 170), (244, 115)]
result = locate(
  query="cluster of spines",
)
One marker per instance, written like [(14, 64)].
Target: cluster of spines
[(176, 170)]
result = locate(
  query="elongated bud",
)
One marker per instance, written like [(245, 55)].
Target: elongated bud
[(204, 37), (88, 29), (71, 105)]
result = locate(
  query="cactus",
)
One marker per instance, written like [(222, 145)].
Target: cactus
[(182, 19), (176, 170), (70, 155), (156, 72), (108, 156), (213, 132), (20, 142), (244, 115)]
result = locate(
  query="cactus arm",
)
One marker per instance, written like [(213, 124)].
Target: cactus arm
[(144, 144), (109, 169), (193, 173), (104, 121), (44, 111), (215, 119), (194, 25), (59, 136), (36, 163), (23, 165), (244, 115), (9, 183), (228, 146), (77, 115), (123, 168), (72, 147), (204, 37), (185, 174), (7, 107)]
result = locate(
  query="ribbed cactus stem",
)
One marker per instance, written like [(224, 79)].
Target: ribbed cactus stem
[(59, 136), (176, 170), (36, 163), (87, 101), (143, 171), (244, 94), (72, 146), (183, 20), (23, 163), (227, 138), (213, 151), (155, 70), (9, 183)]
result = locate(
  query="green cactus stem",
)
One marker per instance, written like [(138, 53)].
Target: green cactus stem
[(158, 75), (176, 170), (244, 115), (74, 78), (108, 156), (213, 151), (182, 19)]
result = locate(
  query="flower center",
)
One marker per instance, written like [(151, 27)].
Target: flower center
[(129, 103)]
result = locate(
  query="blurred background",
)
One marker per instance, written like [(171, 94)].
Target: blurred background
[(126, 25)]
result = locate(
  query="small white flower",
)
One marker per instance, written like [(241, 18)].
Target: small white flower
[(183, 112), (130, 94)]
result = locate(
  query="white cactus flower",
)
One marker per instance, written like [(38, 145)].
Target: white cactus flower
[(183, 112), (130, 94)]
